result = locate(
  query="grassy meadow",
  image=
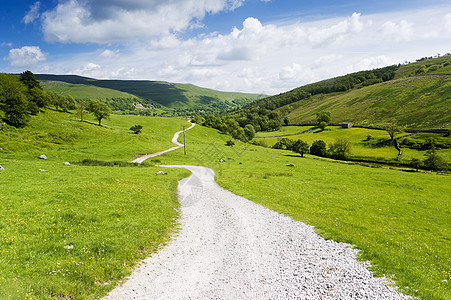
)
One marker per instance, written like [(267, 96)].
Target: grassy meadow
[(378, 149), (83, 91), (74, 231), (71, 231), (382, 103), (399, 220)]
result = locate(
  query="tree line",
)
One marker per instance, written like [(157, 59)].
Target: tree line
[(21, 96)]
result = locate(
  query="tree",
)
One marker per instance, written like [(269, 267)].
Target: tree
[(323, 116), (99, 109), (39, 97), (13, 100), (416, 163), (318, 148), (29, 80), (286, 121), (249, 132), (198, 119), (81, 107), (340, 149), (16, 110), (433, 161), (284, 143), (392, 129), (68, 103), (300, 147), (322, 125), (136, 129)]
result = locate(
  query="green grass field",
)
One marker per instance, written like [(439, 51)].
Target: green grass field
[(72, 232), (114, 216), (399, 220), (170, 95), (83, 91), (360, 147), (383, 103)]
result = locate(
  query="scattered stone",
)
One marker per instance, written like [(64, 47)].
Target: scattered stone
[(42, 157), (69, 247), (291, 165), (221, 160), (160, 173), (1, 168), (42, 170), (67, 163)]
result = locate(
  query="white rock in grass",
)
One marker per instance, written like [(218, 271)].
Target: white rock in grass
[(67, 163), (42, 170), (160, 173), (42, 157), (69, 247), (1, 168)]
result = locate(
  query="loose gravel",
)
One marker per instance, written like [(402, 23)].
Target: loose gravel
[(231, 248)]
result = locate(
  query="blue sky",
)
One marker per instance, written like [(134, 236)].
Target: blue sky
[(260, 46)]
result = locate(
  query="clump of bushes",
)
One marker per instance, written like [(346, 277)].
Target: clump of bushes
[(119, 163)]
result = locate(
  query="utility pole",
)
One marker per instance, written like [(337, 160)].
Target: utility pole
[(184, 140)]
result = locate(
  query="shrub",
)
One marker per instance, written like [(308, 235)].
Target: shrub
[(340, 149), (230, 143), (300, 147), (416, 163), (136, 129), (433, 161), (318, 148)]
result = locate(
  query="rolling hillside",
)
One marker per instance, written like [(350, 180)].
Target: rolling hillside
[(422, 101), (417, 95), (170, 95)]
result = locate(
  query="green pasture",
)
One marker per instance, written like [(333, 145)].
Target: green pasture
[(63, 135), (73, 232), (399, 220), (83, 91), (417, 102), (361, 148)]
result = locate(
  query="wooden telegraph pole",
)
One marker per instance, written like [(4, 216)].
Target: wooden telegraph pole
[(184, 140)]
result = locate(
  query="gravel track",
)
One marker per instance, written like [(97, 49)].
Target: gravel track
[(231, 248), (174, 141)]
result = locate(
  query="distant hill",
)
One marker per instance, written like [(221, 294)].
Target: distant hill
[(170, 95), (417, 95)]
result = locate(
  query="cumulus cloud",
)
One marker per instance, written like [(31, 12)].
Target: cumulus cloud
[(25, 56), (336, 32), (447, 19), (32, 14), (254, 56), (101, 21), (109, 54), (402, 31)]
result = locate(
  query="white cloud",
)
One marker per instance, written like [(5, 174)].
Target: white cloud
[(107, 54), (107, 21), (447, 19), (261, 57), (25, 56), (402, 31), (336, 32), (32, 14)]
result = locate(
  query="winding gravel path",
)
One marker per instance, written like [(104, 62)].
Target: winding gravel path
[(231, 248), (174, 141)]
